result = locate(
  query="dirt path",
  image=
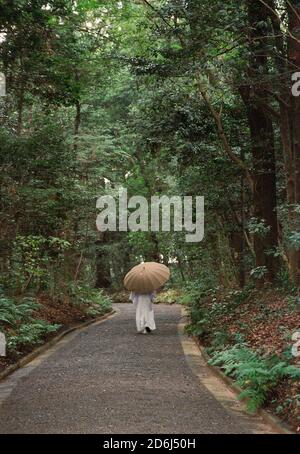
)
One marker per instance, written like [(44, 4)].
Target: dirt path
[(108, 379)]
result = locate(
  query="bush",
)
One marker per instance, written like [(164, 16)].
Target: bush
[(12, 313), (257, 375), (170, 296), (193, 297), (30, 334), (17, 323), (96, 300)]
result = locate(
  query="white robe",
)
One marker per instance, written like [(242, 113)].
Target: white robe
[(144, 311)]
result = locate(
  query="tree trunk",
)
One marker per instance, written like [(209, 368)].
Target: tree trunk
[(102, 265), (255, 97), (242, 271), (264, 195), (293, 156)]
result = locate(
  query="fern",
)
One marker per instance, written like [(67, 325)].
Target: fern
[(22, 330), (30, 334), (255, 374), (13, 312), (95, 300)]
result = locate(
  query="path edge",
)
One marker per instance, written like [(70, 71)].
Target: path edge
[(39, 350), (268, 418)]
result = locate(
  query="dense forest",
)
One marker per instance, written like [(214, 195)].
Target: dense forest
[(161, 97)]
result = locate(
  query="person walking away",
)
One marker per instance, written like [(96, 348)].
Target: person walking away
[(144, 315)]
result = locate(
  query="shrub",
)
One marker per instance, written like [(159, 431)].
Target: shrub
[(96, 300), (257, 375), (12, 313), (30, 334), (170, 296), (18, 324)]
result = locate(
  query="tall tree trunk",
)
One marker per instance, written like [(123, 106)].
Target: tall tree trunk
[(264, 194), (288, 62), (293, 156), (242, 271), (255, 97), (102, 264)]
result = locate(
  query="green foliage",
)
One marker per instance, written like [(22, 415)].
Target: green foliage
[(33, 257), (29, 334), (200, 322), (18, 323), (13, 312), (258, 272), (257, 375), (200, 318), (192, 296), (288, 403), (195, 290), (220, 339), (294, 240), (140, 244), (170, 296), (258, 226), (238, 296), (285, 282), (103, 94), (96, 300)]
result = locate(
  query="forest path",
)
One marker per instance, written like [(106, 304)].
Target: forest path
[(108, 379)]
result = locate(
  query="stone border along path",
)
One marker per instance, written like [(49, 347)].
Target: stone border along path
[(106, 378)]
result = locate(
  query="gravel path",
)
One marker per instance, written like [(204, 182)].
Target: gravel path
[(108, 379)]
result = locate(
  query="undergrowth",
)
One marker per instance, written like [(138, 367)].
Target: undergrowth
[(256, 375), (19, 325), (221, 319), (95, 300), (23, 329)]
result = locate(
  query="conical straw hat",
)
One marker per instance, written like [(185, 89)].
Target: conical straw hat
[(146, 277)]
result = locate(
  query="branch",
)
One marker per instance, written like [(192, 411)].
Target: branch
[(240, 223), (157, 12), (270, 110), (226, 146), (274, 12), (294, 10), (178, 35)]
